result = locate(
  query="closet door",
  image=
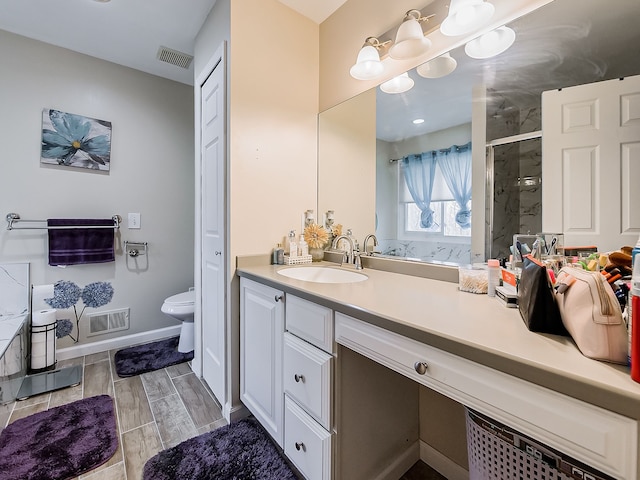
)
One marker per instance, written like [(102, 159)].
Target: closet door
[(212, 167), (591, 163)]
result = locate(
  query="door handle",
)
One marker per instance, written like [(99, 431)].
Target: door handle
[(218, 252)]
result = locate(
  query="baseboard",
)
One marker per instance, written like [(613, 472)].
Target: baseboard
[(400, 464), (235, 412), (119, 342), (444, 465)]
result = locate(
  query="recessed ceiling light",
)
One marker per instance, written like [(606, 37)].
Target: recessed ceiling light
[(418, 121)]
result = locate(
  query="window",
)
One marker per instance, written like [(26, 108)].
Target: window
[(444, 220), (440, 181)]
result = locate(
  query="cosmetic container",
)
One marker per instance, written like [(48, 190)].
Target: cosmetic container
[(293, 244), (494, 276), (634, 321)]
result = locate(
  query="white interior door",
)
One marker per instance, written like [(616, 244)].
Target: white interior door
[(591, 163), (213, 253)]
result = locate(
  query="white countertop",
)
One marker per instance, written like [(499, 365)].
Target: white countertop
[(9, 326), (475, 327)]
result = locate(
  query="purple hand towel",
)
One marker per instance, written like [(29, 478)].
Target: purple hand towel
[(74, 246)]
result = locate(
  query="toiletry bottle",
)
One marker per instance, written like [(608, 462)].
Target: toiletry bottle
[(634, 252), (494, 276), (280, 255), (274, 255), (293, 244), (303, 247), (287, 240), (634, 320)]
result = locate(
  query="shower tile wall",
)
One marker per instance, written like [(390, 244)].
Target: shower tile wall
[(427, 251), (517, 174), (14, 288)]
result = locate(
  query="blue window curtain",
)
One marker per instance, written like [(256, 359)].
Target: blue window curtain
[(455, 165), (419, 171)]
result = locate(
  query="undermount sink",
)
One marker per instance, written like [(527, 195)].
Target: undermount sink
[(322, 275)]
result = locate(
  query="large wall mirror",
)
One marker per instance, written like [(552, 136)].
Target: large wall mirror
[(496, 105)]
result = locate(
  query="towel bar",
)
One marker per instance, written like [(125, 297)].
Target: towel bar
[(13, 218)]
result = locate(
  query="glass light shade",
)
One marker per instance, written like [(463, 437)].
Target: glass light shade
[(465, 16), (398, 84), (490, 44), (368, 64), (438, 67), (410, 41)]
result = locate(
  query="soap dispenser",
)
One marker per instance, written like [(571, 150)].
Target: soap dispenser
[(303, 247), (293, 244)]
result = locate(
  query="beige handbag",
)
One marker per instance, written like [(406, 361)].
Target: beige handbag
[(591, 314)]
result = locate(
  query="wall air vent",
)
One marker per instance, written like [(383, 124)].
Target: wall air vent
[(107, 322), (174, 57)]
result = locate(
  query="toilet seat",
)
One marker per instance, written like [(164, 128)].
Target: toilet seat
[(184, 298)]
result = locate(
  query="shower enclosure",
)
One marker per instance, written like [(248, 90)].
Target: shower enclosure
[(514, 191)]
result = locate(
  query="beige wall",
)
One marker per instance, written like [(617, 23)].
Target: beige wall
[(346, 146), (151, 173), (273, 122)]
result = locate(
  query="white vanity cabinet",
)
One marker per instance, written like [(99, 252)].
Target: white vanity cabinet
[(308, 387), (286, 377), (261, 335)]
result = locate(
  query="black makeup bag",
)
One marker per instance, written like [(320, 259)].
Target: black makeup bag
[(536, 301)]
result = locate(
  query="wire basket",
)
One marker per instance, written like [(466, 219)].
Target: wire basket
[(299, 260), (498, 452)]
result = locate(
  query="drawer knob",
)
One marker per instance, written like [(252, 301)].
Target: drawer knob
[(421, 367), (300, 446), (279, 297), (298, 378)]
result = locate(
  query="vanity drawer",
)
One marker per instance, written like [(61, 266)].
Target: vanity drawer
[(311, 322), (307, 378), (306, 443), (595, 436)]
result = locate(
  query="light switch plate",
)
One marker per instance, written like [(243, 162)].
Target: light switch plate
[(134, 221)]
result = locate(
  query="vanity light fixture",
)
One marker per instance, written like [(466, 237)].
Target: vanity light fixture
[(465, 16), (410, 40), (491, 43), (438, 67), (368, 65), (399, 84)]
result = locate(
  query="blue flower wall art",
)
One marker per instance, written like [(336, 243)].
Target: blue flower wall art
[(66, 294), (75, 141)]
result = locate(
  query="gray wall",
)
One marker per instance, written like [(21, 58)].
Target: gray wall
[(151, 172)]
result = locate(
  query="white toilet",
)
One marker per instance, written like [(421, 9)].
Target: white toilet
[(182, 307)]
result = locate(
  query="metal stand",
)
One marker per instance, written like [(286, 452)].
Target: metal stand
[(49, 381)]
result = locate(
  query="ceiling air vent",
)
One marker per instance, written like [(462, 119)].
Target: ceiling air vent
[(179, 59)]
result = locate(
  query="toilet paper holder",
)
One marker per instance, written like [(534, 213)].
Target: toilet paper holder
[(135, 249)]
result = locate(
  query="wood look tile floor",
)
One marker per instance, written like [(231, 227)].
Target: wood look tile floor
[(154, 411)]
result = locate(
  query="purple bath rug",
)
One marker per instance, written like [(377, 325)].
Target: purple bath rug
[(150, 356), (61, 442), (239, 451)]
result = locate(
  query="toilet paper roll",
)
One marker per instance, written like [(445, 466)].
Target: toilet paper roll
[(38, 295), (43, 317)]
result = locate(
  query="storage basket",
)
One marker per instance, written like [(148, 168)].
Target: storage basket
[(299, 260), (497, 452)]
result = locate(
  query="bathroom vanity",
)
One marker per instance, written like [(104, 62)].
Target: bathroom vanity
[(327, 367)]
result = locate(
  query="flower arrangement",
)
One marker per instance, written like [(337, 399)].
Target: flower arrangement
[(315, 235), (67, 294)]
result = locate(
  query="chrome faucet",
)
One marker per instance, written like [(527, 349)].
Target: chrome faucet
[(366, 240), (350, 254)]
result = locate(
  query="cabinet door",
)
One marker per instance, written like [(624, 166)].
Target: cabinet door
[(261, 331)]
